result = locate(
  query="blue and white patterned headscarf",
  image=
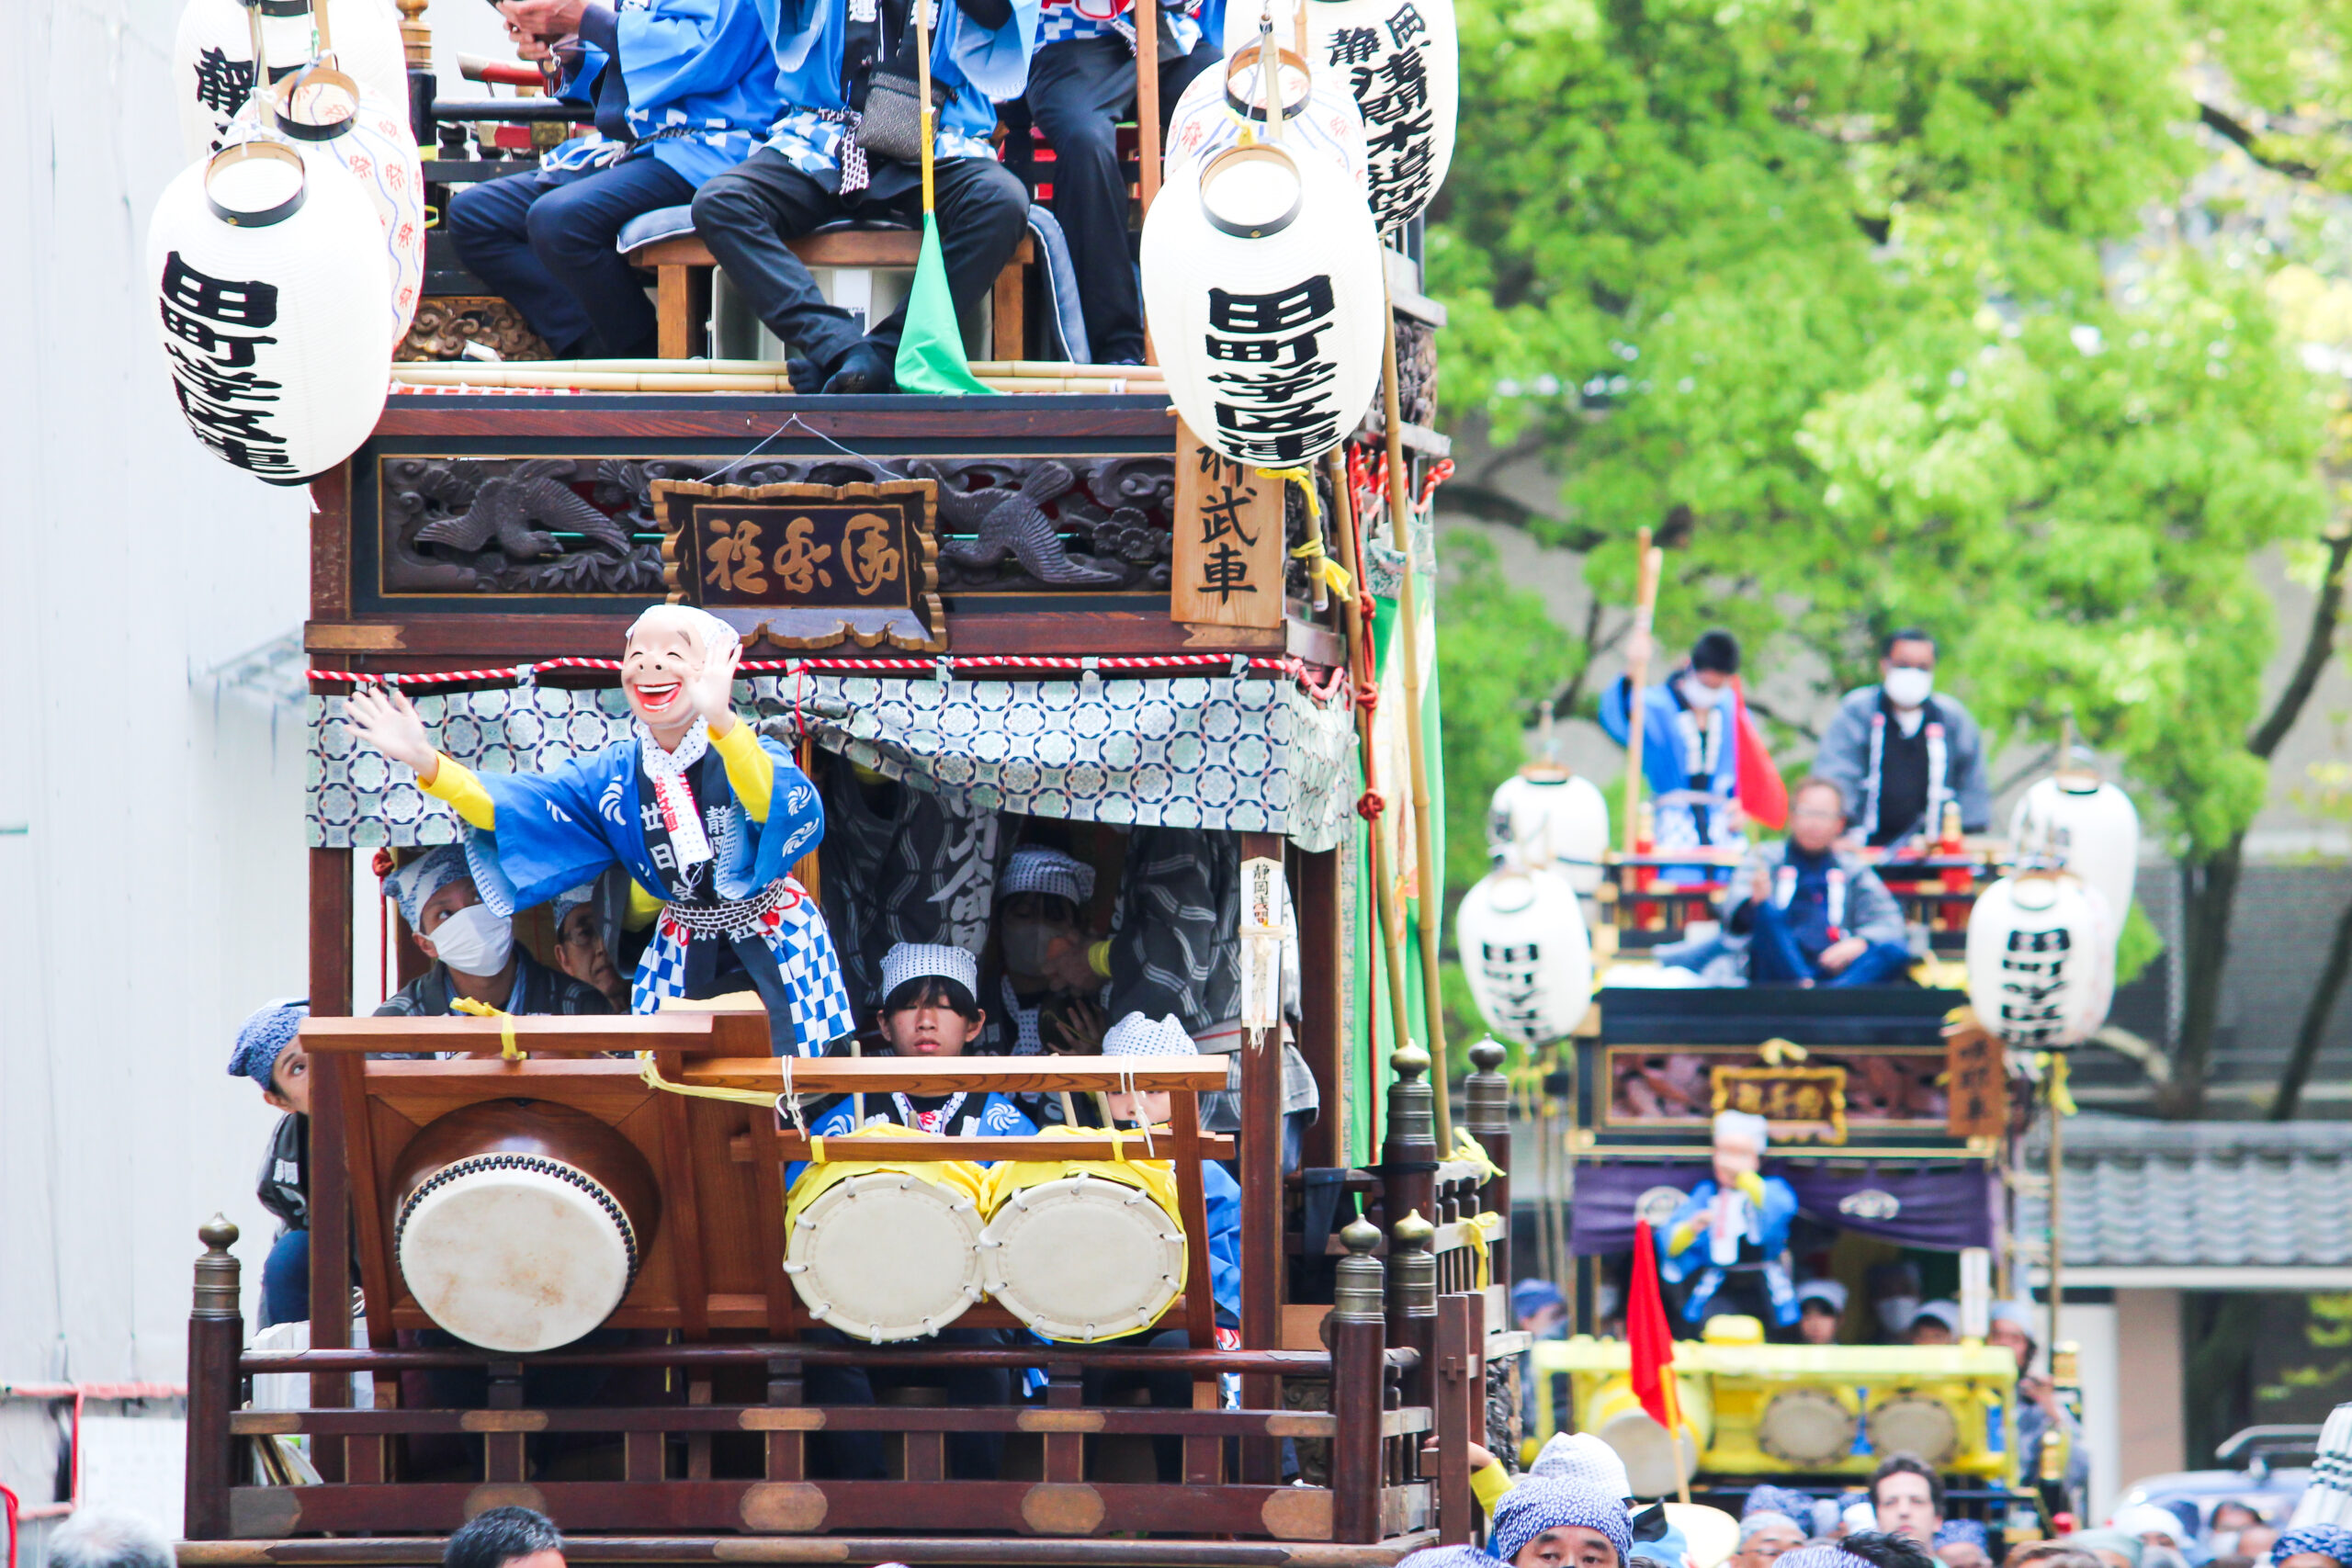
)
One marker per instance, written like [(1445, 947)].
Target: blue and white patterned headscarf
[(1535, 1505), (263, 1038), (1035, 868), (1580, 1458), (1451, 1557), (2326, 1540), (1968, 1531), (1782, 1500), (421, 878)]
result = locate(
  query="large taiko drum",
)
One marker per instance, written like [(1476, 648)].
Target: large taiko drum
[(885, 1250), (1120, 1217), (519, 1225)]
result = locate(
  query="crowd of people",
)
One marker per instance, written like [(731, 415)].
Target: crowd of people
[(1810, 909), (772, 121)]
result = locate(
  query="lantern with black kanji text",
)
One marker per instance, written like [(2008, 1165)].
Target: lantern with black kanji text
[(1526, 954), (1400, 58), (1550, 820), (2041, 960), (269, 287), (212, 56), (1262, 289), (2076, 821)]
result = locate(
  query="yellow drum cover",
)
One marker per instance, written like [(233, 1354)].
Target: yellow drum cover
[(1083, 1250), (1656, 1463), (884, 1251)]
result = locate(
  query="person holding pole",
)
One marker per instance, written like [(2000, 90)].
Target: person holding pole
[(1698, 752)]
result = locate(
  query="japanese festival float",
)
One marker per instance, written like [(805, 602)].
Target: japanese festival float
[(1721, 1162), (810, 673)]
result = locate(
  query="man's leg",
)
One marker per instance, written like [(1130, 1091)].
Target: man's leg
[(1881, 964), (1077, 91), (573, 228), (489, 225), (983, 210), (745, 216), (286, 1279), (1773, 956), (1177, 75)]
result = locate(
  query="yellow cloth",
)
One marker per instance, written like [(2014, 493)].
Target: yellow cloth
[(1098, 957), (454, 782), (827, 1169), (748, 768), (644, 905), (1490, 1484), (1154, 1177)]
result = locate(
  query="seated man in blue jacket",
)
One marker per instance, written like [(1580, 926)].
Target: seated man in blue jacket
[(1815, 914), (841, 64), (682, 89)]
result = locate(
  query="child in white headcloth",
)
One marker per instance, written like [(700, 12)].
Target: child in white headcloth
[(707, 817), (929, 1013)]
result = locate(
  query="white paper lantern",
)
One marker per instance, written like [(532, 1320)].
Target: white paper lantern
[(1401, 62), (2091, 829), (1262, 289), (212, 57), (1318, 113), (336, 124), (1552, 820), (1527, 954), (270, 284), (2041, 960)]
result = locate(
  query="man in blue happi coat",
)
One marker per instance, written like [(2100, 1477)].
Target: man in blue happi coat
[(1690, 748), (682, 89), (707, 817), (1734, 1230), (841, 64)]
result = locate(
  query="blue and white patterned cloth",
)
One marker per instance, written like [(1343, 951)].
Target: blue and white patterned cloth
[(978, 67), (1535, 1505), (1065, 21), (698, 96), (795, 933)]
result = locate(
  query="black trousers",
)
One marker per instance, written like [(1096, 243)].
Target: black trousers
[(544, 239), (1079, 91), (746, 215)]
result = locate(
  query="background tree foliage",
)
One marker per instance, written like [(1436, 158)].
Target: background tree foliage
[(1886, 312)]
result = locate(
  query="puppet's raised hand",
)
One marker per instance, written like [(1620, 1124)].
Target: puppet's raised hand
[(389, 722), (711, 689)]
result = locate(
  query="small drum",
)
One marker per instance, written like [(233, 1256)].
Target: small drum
[(520, 1225), (883, 1250), (1120, 1217)]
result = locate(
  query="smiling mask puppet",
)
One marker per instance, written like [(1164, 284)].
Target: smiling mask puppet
[(705, 815)]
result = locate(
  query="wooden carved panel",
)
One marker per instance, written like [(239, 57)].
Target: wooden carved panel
[(445, 323)]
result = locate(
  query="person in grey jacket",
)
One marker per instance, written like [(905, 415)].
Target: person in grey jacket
[(1899, 751), (1815, 914)]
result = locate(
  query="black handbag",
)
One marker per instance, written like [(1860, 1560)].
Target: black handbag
[(891, 125)]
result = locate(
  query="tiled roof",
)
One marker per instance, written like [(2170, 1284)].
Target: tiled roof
[(2209, 1194)]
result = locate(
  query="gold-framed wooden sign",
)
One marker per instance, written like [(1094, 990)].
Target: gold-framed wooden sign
[(807, 566), (1802, 1104)]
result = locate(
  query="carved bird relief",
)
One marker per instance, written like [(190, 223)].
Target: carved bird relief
[(504, 508), (1013, 522)]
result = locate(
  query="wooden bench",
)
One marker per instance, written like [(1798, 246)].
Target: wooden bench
[(682, 268)]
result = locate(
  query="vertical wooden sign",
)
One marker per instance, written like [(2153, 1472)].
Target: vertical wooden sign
[(1228, 555), (1976, 1082)]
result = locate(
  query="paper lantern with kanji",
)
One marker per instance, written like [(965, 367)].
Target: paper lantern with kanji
[(337, 125), (1401, 62), (2041, 960), (1262, 289), (212, 57), (2080, 824), (1553, 819), (1527, 955), (270, 279), (1318, 113)]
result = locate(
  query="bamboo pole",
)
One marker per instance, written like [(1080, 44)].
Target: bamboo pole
[(1147, 16), (1400, 519), (520, 377), (1017, 368), (1384, 892), (1647, 561)]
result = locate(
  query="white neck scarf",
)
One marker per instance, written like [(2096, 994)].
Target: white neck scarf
[(672, 792)]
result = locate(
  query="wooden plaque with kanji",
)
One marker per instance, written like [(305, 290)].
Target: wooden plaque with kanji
[(1229, 546), (1977, 1087), (807, 566)]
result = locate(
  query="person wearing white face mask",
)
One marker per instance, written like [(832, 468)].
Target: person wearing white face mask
[(1901, 752), (473, 949), (1694, 732)]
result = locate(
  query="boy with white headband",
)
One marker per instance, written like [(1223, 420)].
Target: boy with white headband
[(929, 1012), (705, 815)]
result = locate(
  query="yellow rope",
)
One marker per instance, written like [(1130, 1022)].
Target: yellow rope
[(1467, 1147), (1304, 478), (508, 1049), (1334, 575), (653, 1079), (2062, 1098), (1779, 1052)]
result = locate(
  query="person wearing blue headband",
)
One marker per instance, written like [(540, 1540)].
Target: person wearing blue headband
[(269, 1051), (2313, 1546)]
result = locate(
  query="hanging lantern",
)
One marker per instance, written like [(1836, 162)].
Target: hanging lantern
[(212, 56), (1262, 289), (1220, 107), (335, 124), (2075, 822), (2041, 960), (1549, 819), (271, 286), (1527, 954), (1401, 62)]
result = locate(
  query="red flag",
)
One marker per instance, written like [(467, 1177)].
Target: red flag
[(1762, 796), (1647, 1333)]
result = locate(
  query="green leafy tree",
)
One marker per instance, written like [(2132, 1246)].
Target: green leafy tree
[(1857, 305)]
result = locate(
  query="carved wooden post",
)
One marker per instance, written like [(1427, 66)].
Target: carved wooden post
[(1461, 1414), (1487, 1115), (1359, 1387), (1412, 1305), (216, 1338), (1408, 1185)]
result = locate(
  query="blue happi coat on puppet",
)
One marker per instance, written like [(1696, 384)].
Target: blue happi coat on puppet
[(733, 921), (1736, 1232)]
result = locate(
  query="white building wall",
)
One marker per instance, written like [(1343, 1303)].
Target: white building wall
[(151, 858)]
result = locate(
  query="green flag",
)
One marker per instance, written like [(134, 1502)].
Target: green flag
[(931, 348)]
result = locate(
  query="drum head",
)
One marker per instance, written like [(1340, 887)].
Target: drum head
[(886, 1256), (514, 1252), (1133, 1254)]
